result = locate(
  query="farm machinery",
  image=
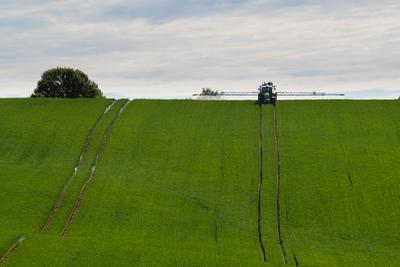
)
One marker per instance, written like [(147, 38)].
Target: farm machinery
[(267, 94)]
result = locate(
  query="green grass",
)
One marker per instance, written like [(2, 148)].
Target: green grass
[(84, 170), (269, 212), (177, 183), (340, 172), (40, 141)]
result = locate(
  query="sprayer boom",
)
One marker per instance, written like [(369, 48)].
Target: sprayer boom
[(267, 94), (307, 94)]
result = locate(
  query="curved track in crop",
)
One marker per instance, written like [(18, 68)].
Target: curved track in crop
[(82, 157), (85, 186), (12, 249), (278, 187), (260, 181)]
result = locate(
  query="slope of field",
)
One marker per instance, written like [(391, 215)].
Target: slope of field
[(178, 183), (177, 186), (40, 142), (341, 182)]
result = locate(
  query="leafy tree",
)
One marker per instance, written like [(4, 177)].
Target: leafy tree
[(209, 91), (66, 83)]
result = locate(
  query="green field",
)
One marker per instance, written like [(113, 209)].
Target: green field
[(341, 181), (40, 143), (176, 183)]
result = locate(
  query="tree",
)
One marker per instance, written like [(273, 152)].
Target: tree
[(209, 91), (66, 83)]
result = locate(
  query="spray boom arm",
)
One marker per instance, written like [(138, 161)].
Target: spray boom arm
[(222, 93), (267, 94), (307, 94)]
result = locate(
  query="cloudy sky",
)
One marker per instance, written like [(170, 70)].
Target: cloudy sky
[(172, 48)]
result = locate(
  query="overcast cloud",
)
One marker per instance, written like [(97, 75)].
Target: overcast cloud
[(172, 48)]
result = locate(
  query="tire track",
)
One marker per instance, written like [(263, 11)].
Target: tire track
[(260, 180), (278, 187), (296, 261), (85, 186), (82, 157), (12, 249)]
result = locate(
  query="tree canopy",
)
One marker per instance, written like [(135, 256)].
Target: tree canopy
[(66, 83)]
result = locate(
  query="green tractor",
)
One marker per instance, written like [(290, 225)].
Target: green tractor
[(267, 94)]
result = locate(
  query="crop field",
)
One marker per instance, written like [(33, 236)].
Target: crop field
[(340, 164), (40, 142), (199, 183)]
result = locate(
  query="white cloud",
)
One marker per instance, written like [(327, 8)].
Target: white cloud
[(300, 45)]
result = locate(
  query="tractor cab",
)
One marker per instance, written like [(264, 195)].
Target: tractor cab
[(266, 94)]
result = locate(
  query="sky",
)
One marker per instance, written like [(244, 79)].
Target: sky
[(173, 48)]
